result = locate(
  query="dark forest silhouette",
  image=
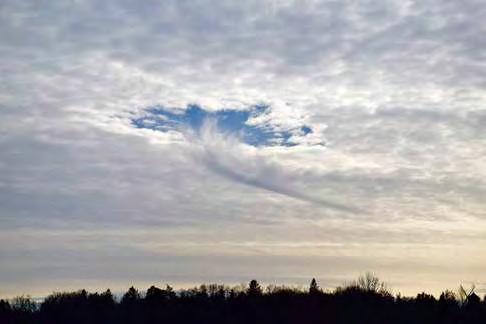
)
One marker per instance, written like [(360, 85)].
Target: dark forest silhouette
[(366, 300)]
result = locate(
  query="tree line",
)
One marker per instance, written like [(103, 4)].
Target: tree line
[(366, 300)]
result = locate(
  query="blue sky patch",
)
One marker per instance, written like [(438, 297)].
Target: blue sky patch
[(228, 121)]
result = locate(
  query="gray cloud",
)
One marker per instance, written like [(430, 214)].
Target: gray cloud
[(394, 88)]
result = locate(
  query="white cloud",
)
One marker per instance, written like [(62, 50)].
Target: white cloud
[(395, 89)]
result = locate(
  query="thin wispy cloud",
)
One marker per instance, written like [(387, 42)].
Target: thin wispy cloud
[(222, 153)]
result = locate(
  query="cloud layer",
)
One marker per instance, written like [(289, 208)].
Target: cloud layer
[(394, 89)]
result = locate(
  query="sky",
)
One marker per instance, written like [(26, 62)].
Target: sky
[(181, 142)]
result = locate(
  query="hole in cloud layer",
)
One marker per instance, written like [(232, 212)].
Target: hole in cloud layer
[(253, 126)]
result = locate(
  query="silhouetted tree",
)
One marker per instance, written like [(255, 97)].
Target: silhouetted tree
[(448, 298), (130, 305), (23, 304), (364, 301), (107, 298), (371, 283), (154, 293), (425, 306), (131, 297), (314, 288), (463, 293), (5, 312), (254, 288)]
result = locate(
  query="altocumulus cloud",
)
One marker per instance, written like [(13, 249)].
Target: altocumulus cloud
[(340, 135)]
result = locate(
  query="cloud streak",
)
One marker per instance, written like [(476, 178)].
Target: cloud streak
[(222, 155)]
